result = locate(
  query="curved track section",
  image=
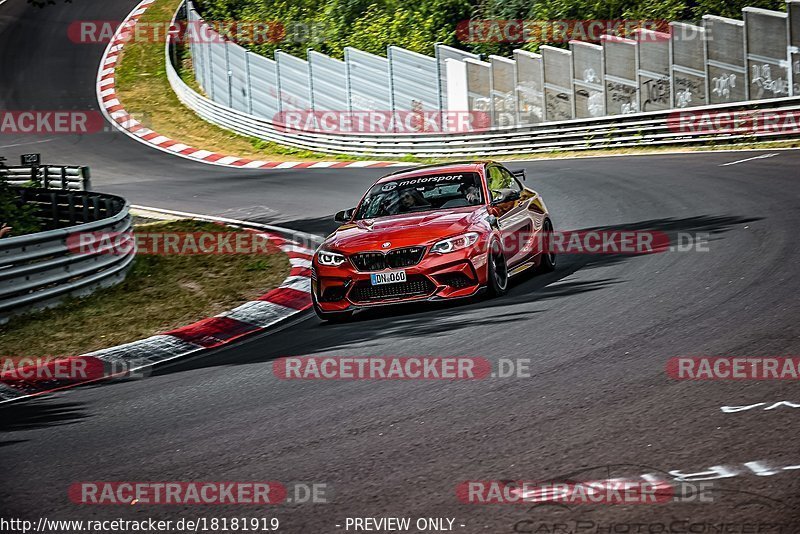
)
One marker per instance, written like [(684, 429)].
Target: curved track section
[(599, 332)]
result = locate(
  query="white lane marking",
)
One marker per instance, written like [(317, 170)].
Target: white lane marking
[(733, 409), (28, 143), (762, 156)]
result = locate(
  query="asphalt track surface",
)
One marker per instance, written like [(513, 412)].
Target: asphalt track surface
[(598, 331)]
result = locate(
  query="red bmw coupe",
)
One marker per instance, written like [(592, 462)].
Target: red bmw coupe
[(430, 233)]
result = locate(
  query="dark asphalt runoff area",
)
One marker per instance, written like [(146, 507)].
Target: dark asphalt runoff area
[(597, 402)]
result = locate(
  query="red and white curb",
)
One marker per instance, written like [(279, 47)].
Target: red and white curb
[(117, 115), (292, 297)]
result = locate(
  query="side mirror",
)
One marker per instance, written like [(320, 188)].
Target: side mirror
[(344, 215), (520, 173), (501, 196)]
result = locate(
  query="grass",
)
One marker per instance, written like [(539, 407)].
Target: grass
[(160, 293), (143, 88)]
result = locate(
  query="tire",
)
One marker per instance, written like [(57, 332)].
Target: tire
[(497, 271), (331, 317), (548, 262)]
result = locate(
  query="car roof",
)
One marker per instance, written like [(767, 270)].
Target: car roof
[(426, 170)]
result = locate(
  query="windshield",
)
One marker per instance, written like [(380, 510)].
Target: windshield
[(421, 193)]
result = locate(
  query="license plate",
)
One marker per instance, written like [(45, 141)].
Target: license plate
[(389, 277)]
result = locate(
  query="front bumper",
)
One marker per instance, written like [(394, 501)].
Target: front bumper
[(437, 276)]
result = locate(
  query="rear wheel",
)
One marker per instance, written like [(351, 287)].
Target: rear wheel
[(548, 262), (498, 270)]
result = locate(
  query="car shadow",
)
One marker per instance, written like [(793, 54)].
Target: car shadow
[(372, 328)]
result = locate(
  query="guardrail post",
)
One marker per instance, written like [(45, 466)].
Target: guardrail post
[(63, 178), (391, 87), (46, 177), (54, 209), (71, 204), (278, 80), (108, 208), (229, 74), (87, 178), (249, 83), (348, 89)]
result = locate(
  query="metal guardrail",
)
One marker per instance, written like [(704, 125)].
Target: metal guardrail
[(62, 176), (718, 61), (40, 270), (621, 131), (614, 131)]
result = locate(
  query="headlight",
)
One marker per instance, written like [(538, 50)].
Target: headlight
[(455, 243), (330, 259)]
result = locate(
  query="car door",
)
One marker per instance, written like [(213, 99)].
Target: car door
[(512, 217)]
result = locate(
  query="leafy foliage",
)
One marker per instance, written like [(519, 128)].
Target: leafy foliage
[(20, 217), (371, 25)]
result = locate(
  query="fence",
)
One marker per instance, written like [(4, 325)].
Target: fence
[(722, 61), (39, 270), (63, 176)]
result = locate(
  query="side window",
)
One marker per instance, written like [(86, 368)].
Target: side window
[(498, 179), (495, 178), (513, 183)]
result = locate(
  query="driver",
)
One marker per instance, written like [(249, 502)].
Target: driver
[(410, 198), (472, 193)]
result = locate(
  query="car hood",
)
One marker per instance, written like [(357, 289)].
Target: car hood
[(404, 230)]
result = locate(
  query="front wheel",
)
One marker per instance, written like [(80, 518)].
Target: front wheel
[(498, 270)]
